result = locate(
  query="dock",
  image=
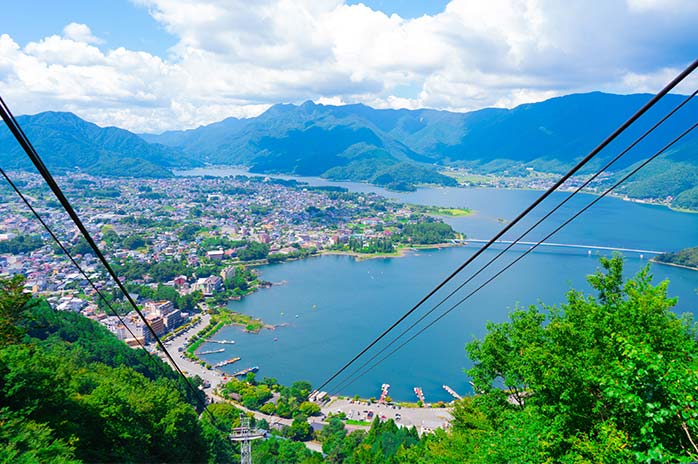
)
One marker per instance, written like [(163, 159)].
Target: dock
[(452, 392), (227, 361), (222, 342), (420, 394), (245, 371), (211, 352), (384, 392)]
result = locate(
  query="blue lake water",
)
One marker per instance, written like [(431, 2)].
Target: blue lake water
[(332, 306)]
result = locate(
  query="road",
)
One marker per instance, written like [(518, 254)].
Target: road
[(191, 368)]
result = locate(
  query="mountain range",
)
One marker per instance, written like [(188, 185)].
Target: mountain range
[(67, 142), (394, 148)]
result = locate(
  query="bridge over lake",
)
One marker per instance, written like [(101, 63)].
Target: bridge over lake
[(568, 245)]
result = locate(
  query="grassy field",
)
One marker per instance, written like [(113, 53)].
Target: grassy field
[(442, 211), (357, 422)]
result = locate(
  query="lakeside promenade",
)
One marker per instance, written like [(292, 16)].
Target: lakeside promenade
[(213, 376)]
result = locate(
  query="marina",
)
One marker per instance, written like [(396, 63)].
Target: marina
[(420, 394), (246, 371), (211, 352), (227, 362), (451, 392), (384, 392)]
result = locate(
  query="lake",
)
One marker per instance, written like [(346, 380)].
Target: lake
[(332, 306)]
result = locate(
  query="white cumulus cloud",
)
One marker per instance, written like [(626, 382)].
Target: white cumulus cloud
[(236, 58), (80, 33)]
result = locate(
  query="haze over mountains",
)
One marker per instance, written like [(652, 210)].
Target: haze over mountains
[(394, 148)]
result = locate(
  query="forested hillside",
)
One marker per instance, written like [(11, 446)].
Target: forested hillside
[(389, 147), (687, 257), (71, 392), (398, 149), (67, 142), (603, 378)]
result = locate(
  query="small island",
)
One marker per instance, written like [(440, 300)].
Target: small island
[(687, 258)]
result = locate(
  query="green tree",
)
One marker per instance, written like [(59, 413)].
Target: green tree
[(300, 429), (82, 393), (253, 250), (24, 441), (81, 247), (133, 242), (13, 306), (606, 379), (21, 244), (309, 408), (300, 390)]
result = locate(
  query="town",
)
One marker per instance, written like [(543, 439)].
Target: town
[(182, 242)]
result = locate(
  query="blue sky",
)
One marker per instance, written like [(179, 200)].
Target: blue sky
[(407, 9), (154, 65), (119, 23)]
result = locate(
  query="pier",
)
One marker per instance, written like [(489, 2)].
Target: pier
[(420, 394), (222, 342), (452, 392), (384, 392), (568, 245), (227, 361), (210, 352), (245, 371)]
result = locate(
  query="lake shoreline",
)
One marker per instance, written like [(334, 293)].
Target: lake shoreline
[(400, 253), (681, 266), (178, 172)]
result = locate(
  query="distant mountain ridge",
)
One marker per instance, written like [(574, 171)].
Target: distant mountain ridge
[(398, 148), (385, 146), (67, 142)]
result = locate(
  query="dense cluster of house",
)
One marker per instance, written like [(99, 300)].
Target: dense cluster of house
[(285, 218)]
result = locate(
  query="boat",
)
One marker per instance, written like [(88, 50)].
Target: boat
[(211, 352), (227, 361), (246, 371)]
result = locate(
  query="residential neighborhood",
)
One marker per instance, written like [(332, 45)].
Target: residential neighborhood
[(199, 237)]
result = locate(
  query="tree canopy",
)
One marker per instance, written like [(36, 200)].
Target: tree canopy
[(71, 391), (606, 378)]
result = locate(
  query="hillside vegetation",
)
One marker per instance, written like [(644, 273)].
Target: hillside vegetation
[(71, 392), (606, 378), (687, 257), (67, 142), (398, 149)]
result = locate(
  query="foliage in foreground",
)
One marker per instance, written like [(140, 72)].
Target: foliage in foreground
[(605, 379), (70, 391)]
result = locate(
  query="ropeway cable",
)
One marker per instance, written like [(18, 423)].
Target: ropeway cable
[(28, 148), (75, 263), (597, 199), (520, 237), (524, 213), (67, 253)]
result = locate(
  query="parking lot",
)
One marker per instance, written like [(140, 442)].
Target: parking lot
[(422, 418)]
